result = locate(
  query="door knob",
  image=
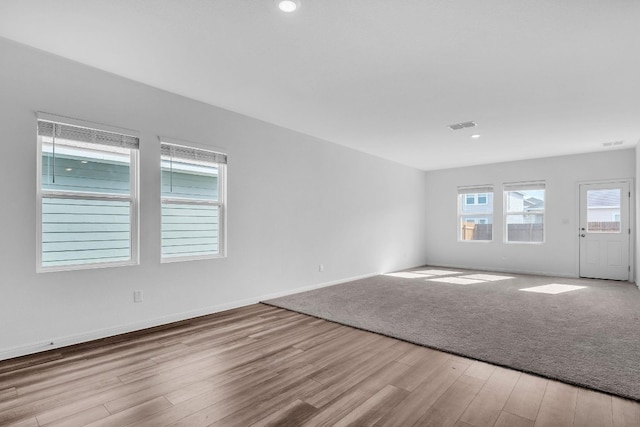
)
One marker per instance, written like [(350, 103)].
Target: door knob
[(582, 235)]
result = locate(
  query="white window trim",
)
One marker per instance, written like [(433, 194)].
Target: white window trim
[(523, 187), (220, 203), (132, 198)]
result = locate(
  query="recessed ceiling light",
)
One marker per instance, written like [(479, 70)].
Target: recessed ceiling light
[(288, 6), (68, 169), (475, 136)]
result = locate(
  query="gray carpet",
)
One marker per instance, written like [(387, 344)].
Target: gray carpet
[(588, 337)]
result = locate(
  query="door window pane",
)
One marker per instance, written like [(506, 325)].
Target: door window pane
[(603, 210)]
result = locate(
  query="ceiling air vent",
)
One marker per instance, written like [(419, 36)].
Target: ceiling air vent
[(463, 125), (611, 144)]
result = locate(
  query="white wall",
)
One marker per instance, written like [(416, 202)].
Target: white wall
[(558, 255), (637, 206), (293, 202)]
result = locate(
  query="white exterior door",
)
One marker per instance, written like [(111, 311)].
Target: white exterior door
[(605, 230)]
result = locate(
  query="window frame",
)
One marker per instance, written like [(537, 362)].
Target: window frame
[(221, 203), (516, 187), (462, 195), (132, 197)]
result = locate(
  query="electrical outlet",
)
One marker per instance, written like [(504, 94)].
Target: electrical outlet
[(321, 268), (137, 296)]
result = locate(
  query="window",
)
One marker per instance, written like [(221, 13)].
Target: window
[(524, 206), (603, 210), (87, 195), (475, 213), (193, 202)]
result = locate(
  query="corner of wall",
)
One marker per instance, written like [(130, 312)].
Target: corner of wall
[(637, 214)]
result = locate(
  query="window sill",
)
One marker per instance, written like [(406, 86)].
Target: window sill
[(524, 243), (190, 258), (74, 267)]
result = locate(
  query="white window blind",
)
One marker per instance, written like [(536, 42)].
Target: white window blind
[(475, 189), (179, 152), (81, 134), (534, 185)]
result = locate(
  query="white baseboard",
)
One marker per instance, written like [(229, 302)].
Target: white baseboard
[(108, 332)]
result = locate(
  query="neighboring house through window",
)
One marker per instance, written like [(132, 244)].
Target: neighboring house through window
[(87, 195), (476, 199)]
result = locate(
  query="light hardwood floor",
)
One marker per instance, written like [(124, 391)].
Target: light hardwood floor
[(260, 365)]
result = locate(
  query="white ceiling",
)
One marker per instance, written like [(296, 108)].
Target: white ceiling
[(541, 78)]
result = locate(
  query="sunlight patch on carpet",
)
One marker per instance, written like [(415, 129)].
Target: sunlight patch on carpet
[(553, 288), (486, 277), (456, 280), (437, 272), (407, 275)]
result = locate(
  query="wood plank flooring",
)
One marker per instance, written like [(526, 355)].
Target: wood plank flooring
[(265, 366)]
